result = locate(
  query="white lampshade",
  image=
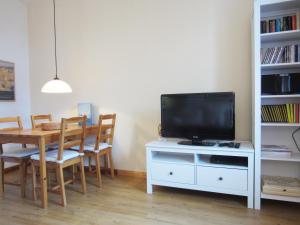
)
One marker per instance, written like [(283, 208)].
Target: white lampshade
[(56, 86)]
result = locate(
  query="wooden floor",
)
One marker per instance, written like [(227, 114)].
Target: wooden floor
[(124, 201)]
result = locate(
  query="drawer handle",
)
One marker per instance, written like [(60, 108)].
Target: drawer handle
[(220, 178), (284, 190), (171, 173)]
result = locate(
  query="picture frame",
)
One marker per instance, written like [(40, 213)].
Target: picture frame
[(7, 81)]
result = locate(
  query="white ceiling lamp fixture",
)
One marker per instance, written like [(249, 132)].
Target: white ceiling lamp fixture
[(56, 85)]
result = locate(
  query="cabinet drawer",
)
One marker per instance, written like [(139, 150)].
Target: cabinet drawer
[(234, 179), (173, 172)]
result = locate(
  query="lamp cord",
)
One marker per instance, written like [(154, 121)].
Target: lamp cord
[(54, 17), (294, 139)]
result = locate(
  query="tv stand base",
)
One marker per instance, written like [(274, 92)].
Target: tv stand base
[(190, 167)]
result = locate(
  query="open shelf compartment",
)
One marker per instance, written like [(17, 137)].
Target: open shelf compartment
[(206, 160), (172, 157)]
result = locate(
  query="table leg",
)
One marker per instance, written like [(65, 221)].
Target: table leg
[(1, 172), (43, 173)]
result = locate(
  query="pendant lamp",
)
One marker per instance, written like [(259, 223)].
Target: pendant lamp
[(56, 85)]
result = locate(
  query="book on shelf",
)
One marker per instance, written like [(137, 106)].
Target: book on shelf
[(280, 24), (275, 151), (280, 54), (284, 186), (284, 113), (298, 20)]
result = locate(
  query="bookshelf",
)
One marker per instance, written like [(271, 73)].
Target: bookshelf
[(280, 124), (280, 36), (280, 96), (273, 133), (280, 198), (274, 66), (295, 157)]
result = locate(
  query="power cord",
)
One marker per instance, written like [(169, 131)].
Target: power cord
[(294, 139)]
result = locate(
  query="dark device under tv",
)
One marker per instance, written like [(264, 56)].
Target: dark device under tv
[(199, 117), (229, 160)]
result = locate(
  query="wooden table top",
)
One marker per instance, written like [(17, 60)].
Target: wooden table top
[(38, 132)]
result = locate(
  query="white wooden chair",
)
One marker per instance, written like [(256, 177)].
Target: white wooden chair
[(102, 146), (61, 158), (21, 156)]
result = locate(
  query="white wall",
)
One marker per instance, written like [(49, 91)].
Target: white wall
[(14, 48), (121, 55)]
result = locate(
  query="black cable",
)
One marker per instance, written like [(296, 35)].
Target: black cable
[(294, 139), (54, 17)]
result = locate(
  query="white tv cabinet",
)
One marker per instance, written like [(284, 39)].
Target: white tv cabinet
[(181, 166)]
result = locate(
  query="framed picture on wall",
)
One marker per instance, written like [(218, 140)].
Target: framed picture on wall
[(7, 81)]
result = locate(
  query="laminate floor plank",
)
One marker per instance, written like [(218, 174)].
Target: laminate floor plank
[(123, 200)]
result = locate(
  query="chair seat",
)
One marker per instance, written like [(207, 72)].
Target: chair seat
[(51, 156), (52, 146), (23, 153), (91, 147)]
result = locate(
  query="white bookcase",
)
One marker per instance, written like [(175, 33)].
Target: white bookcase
[(273, 133)]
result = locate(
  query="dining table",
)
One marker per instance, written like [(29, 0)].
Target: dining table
[(39, 138)]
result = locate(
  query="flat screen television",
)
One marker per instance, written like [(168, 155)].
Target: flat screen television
[(198, 116)]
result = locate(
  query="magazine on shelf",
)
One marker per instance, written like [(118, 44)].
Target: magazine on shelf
[(275, 150)]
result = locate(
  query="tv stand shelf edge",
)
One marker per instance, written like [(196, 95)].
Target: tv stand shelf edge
[(181, 166)]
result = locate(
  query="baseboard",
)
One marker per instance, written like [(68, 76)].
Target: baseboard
[(127, 173)]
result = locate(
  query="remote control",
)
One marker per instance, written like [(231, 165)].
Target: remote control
[(223, 144), (237, 145), (231, 145)]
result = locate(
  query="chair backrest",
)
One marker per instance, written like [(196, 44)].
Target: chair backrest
[(36, 120), (11, 120), (71, 136), (106, 129)]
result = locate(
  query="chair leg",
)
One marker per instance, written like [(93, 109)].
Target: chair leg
[(105, 158), (22, 178), (1, 177), (82, 175), (61, 183), (25, 172), (33, 181), (111, 164), (73, 174), (98, 170), (90, 164), (48, 178)]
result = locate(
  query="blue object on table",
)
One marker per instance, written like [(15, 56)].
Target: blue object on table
[(85, 109)]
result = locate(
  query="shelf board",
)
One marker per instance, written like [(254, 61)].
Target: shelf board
[(280, 198), (174, 158), (280, 66), (280, 124), (295, 157), (280, 36), (204, 160), (217, 165), (276, 5), (280, 96)]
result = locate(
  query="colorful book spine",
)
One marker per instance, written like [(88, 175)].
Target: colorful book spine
[(280, 24), (284, 113), (280, 54)]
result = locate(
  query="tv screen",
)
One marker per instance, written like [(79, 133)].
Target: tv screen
[(201, 116)]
